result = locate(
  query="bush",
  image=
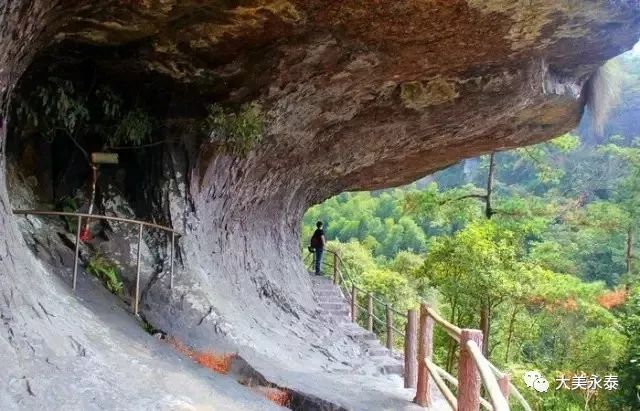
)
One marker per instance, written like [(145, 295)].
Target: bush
[(107, 271), (234, 131)]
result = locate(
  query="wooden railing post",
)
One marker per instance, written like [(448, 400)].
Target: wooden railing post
[(425, 350), (503, 383), (410, 350), (389, 328), (468, 375), (354, 299), (370, 312), (335, 268)]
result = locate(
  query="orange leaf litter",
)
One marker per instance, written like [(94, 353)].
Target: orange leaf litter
[(222, 364), (216, 363), (276, 395)]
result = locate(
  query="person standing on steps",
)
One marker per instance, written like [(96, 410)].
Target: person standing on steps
[(317, 243)]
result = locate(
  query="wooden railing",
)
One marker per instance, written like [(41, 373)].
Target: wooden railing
[(141, 224), (473, 368)]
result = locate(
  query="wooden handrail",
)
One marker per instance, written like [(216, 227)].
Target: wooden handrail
[(377, 319), (474, 358), (453, 331), (397, 330), (400, 313), (473, 369), (442, 386), (454, 381), (488, 378), (513, 390)]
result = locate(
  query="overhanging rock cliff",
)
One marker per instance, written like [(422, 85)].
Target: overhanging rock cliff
[(354, 95)]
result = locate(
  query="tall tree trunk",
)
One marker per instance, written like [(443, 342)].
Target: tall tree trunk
[(485, 314), (488, 210), (629, 253), (512, 321), (485, 309)]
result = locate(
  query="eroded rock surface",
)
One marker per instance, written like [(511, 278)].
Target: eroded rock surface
[(355, 94)]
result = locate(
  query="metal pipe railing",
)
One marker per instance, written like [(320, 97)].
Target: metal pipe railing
[(96, 216), (140, 224)]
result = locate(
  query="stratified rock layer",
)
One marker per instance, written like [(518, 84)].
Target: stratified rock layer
[(356, 94)]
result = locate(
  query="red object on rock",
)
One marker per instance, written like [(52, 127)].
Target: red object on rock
[(85, 235)]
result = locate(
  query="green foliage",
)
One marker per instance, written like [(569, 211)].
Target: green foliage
[(377, 221), (235, 131), (629, 363), (69, 205), (62, 107), (135, 128), (564, 234), (107, 271)]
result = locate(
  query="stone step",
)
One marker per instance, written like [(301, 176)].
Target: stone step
[(337, 312), (327, 290), (338, 319), (379, 351), (397, 369), (361, 334), (333, 306), (331, 296), (332, 300)]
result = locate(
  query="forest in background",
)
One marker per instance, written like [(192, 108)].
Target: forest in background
[(536, 246)]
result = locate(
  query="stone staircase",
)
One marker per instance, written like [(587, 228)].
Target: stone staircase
[(335, 308)]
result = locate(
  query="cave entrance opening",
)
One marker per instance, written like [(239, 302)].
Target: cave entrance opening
[(75, 100), (69, 118)]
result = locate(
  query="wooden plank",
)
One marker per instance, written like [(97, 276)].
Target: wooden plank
[(104, 158)]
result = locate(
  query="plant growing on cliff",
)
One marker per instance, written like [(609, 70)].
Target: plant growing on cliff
[(107, 271), (61, 107), (69, 205), (234, 131)]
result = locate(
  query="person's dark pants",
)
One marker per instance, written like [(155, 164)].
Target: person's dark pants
[(319, 252)]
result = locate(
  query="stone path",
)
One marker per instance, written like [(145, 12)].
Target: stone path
[(336, 310)]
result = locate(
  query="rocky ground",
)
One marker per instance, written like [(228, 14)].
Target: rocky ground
[(335, 375)]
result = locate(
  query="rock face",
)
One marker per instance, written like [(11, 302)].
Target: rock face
[(355, 95)]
